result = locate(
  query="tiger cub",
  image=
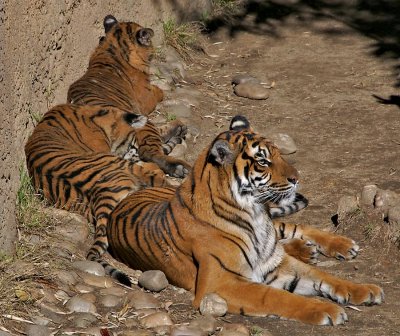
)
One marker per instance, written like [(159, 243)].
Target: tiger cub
[(75, 157), (212, 234), (118, 76)]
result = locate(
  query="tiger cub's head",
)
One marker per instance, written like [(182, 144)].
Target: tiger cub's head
[(131, 39), (256, 170)]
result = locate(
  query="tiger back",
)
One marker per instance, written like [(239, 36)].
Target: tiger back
[(75, 157), (213, 235)]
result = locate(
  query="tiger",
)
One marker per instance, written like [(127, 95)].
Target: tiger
[(76, 158), (118, 76), (214, 234)]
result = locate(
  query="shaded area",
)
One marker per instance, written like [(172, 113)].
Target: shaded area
[(378, 20), (392, 100)]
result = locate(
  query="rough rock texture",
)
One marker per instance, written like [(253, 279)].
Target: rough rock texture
[(44, 47)]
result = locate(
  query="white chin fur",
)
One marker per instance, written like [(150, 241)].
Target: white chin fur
[(288, 200)]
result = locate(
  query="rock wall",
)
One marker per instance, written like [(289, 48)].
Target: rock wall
[(44, 46)]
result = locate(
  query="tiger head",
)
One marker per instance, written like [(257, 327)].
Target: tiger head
[(253, 165), (132, 40)]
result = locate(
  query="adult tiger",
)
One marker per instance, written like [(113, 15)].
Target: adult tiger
[(118, 76), (76, 158), (212, 234)]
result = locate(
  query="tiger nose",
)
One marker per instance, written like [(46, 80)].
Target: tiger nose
[(293, 179)]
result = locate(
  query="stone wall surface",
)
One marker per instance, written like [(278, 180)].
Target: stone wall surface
[(44, 46)]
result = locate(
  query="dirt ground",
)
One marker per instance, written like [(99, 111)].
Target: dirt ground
[(326, 74), (327, 71)]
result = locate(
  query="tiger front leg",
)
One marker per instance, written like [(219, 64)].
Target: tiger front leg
[(327, 243), (256, 299), (303, 279)]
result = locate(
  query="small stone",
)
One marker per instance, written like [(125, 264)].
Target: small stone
[(61, 295), (97, 281), (91, 267), (142, 300), (206, 324), (235, 329), (82, 288), (110, 301), (212, 304), (187, 331), (53, 312), (284, 142), (347, 205), (83, 320), (384, 199), (136, 332), (145, 312), (179, 151), (78, 304), (117, 291), (67, 277), (179, 111), (37, 330), (88, 297), (156, 320), (251, 91), (394, 215), (154, 280), (244, 78), (368, 194), (40, 320)]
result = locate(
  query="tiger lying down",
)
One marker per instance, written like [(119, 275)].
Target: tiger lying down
[(214, 234)]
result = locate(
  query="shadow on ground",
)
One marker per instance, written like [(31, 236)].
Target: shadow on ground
[(378, 20)]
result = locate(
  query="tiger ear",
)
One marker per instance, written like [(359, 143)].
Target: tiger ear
[(109, 22), (239, 123), (220, 152), (144, 35)]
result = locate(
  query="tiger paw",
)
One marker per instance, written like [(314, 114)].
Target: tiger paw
[(321, 313), (339, 247), (358, 294), (177, 168), (303, 250)]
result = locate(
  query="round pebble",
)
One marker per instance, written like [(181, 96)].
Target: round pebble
[(83, 320), (394, 215), (91, 267), (368, 194), (37, 330), (384, 199), (179, 111), (117, 291), (285, 143), (251, 91), (179, 150), (187, 331), (347, 205), (154, 280), (78, 304), (97, 281), (67, 277), (244, 78), (207, 324), (53, 312), (156, 320), (110, 301), (142, 300), (212, 304), (82, 288)]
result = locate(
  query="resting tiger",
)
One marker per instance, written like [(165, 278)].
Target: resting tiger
[(118, 76), (213, 234)]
